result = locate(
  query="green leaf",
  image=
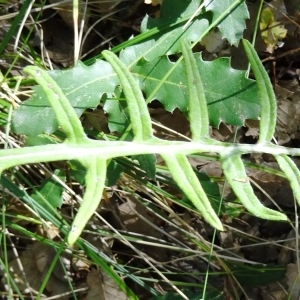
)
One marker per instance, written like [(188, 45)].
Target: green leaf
[(196, 100), (233, 26), (172, 19), (147, 163), (235, 173), (291, 172), (118, 117), (266, 93), (82, 85), (114, 171), (212, 191), (77, 171), (231, 97), (137, 107), (50, 191), (184, 176), (171, 27)]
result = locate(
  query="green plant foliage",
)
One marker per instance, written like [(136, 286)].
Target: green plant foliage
[(85, 85), (118, 119), (173, 14), (114, 171), (147, 164), (266, 96), (50, 191), (207, 93), (82, 85), (230, 96), (94, 155), (212, 191), (233, 25), (171, 27)]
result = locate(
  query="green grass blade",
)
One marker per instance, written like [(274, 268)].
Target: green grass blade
[(14, 26)]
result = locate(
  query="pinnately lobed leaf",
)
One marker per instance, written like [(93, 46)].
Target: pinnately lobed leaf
[(82, 85), (231, 97)]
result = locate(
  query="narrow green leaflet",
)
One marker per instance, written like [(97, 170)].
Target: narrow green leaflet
[(234, 171), (188, 182), (268, 103), (197, 106), (138, 111), (94, 179), (291, 172)]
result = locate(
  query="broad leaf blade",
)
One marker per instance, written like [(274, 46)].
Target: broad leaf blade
[(50, 191), (233, 26), (173, 17), (231, 97), (82, 85)]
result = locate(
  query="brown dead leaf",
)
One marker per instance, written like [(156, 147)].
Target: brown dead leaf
[(103, 287), (138, 219), (30, 269), (293, 281), (66, 12), (288, 125)]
